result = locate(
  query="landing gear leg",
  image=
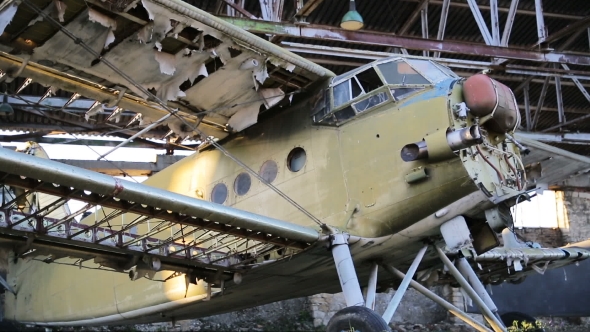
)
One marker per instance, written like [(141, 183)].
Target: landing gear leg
[(356, 316), (457, 235), (488, 314)]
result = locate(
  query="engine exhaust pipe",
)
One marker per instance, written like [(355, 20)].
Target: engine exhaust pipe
[(464, 138), (455, 140)]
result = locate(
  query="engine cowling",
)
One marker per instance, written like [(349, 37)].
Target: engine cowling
[(493, 102)]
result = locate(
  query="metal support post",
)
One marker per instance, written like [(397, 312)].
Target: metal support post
[(372, 287), (346, 273), (489, 316), (401, 290), (439, 300)]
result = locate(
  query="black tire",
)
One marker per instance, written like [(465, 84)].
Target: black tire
[(357, 319), (510, 317)]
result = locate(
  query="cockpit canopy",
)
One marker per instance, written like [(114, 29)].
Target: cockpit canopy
[(373, 85)]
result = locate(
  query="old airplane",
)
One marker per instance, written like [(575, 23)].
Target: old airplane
[(306, 182)]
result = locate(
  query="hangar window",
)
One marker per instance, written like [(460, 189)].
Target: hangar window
[(269, 170), (242, 184), (296, 159), (219, 193)]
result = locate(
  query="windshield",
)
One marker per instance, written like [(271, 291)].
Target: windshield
[(372, 85), (399, 72)]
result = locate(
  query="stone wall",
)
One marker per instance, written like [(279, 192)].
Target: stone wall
[(573, 208), (414, 308)]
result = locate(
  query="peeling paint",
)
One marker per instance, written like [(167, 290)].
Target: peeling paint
[(60, 7), (167, 62), (261, 74), (281, 63), (144, 35), (161, 21), (222, 51), (6, 16), (105, 21), (201, 71)]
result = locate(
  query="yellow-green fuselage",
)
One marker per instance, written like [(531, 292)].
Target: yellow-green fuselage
[(353, 179)]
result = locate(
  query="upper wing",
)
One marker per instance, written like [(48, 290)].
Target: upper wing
[(549, 166), (189, 58)]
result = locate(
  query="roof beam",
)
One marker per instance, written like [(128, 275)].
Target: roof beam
[(509, 23), (582, 118), (240, 9), (575, 27), (541, 101), (527, 108), (571, 138), (506, 10), (442, 24), (318, 32), (541, 28), (412, 19), (308, 8), (454, 63), (578, 84), (481, 23)]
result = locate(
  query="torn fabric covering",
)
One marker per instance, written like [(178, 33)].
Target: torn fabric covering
[(56, 9), (271, 96), (224, 88), (167, 62), (245, 117)]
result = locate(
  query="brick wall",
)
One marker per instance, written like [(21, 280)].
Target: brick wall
[(546, 237)]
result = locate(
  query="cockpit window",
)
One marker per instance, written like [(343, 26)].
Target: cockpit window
[(345, 91), (428, 69), (369, 80), (374, 85), (400, 72), (355, 86), (371, 101)]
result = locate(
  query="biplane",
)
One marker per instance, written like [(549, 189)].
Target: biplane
[(398, 174)]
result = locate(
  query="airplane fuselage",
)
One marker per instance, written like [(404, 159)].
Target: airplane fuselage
[(347, 172)]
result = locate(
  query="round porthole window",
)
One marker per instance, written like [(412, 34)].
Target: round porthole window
[(269, 170), (219, 193), (296, 159), (242, 184)]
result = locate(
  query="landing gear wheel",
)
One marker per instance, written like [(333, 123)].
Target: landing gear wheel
[(510, 317), (357, 319)]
